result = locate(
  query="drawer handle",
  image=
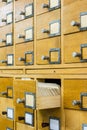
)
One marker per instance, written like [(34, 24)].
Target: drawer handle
[(4, 0), (45, 31), (21, 59), (76, 54), (3, 61), (4, 113), (21, 36), (74, 23), (2, 40), (44, 124), (20, 101), (45, 58), (21, 118), (22, 13), (45, 6), (4, 93), (4, 20), (76, 102)]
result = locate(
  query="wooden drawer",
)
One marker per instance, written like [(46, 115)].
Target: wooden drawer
[(20, 126), (7, 109), (21, 31), (23, 90), (5, 31), (45, 6), (75, 93), (67, 2), (6, 124), (75, 48), (6, 56), (6, 88), (26, 55), (5, 10), (48, 51), (74, 17), (50, 26), (20, 7)]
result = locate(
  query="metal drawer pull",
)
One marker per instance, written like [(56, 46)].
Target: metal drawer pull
[(74, 23), (45, 58), (20, 101), (45, 31), (4, 113), (22, 13), (44, 124), (4, 0), (4, 93), (3, 61), (21, 36), (76, 102), (2, 40), (45, 6), (4, 20), (21, 118), (21, 59), (76, 54)]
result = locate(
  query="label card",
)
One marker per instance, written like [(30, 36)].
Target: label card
[(84, 126), (8, 129), (10, 59), (54, 124), (9, 18), (29, 118), (54, 3), (55, 28), (30, 100), (84, 21), (29, 34), (9, 39), (10, 113), (29, 10)]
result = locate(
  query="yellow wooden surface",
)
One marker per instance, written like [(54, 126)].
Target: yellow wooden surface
[(20, 126), (43, 48)]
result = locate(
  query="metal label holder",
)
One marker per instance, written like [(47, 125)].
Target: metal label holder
[(82, 28), (10, 64), (56, 7), (81, 50), (11, 43), (82, 95), (11, 13), (9, 88), (56, 119), (31, 114), (29, 53), (11, 113), (32, 12), (29, 39)]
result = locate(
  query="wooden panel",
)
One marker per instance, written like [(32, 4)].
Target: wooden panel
[(67, 2), (3, 55), (12, 71), (4, 9), (21, 53), (4, 83), (5, 123), (20, 4), (43, 47), (46, 18), (20, 126), (20, 27), (72, 44), (3, 31), (72, 90), (41, 10), (72, 12)]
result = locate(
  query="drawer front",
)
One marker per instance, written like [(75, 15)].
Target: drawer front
[(5, 9), (6, 108), (45, 6), (20, 34), (20, 7), (73, 20), (6, 88), (75, 48), (67, 2), (6, 123), (21, 55), (20, 126), (44, 29), (6, 56), (74, 91), (3, 35), (44, 53)]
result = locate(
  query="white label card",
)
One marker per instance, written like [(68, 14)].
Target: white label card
[(30, 100), (10, 113), (29, 34), (8, 129), (9, 1), (9, 39), (9, 18), (54, 3), (84, 21), (85, 128), (28, 118), (10, 59), (28, 10), (54, 124), (55, 28)]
